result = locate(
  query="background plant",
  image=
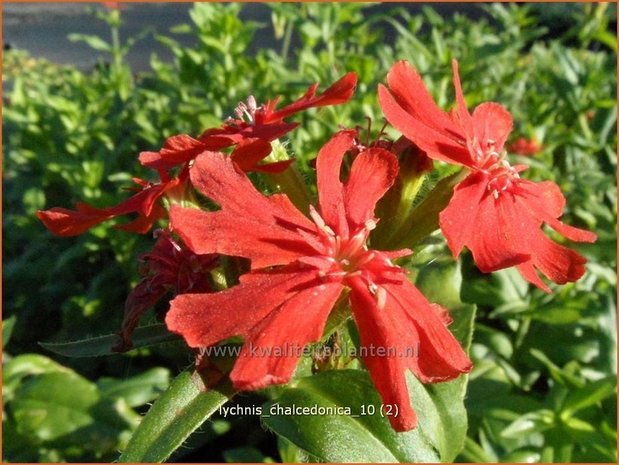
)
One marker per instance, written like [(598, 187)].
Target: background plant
[(543, 388)]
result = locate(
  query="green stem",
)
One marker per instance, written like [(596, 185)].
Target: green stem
[(116, 51), (564, 454), (423, 220), (395, 209), (522, 331), (289, 182), (286, 40)]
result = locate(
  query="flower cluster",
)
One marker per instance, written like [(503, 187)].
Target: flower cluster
[(494, 212), (301, 263)]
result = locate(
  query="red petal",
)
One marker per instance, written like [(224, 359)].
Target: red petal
[(556, 262), (143, 223), (63, 222), (340, 92), (447, 148), (175, 151), (330, 187), (412, 95), (395, 254), (372, 173), (462, 113), (216, 176), (273, 347), (474, 219), (493, 243), (545, 198), (263, 229), (412, 334), (142, 298), (275, 167), (205, 319), (248, 153), (220, 138), (528, 272), (572, 233), (237, 131), (441, 357), (144, 201), (457, 220), (546, 203), (380, 329), (242, 234), (268, 132), (492, 124)]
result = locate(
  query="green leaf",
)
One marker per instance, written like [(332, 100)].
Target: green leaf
[(173, 417), (102, 345), (589, 395), (288, 452), (358, 438), (94, 42), (137, 390), (50, 408), (245, 455), (530, 423), (46, 408), (26, 365), (449, 423), (7, 330), (440, 282)]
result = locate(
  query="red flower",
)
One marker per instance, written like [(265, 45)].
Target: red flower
[(300, 268), (177, 150), (168, 268), (493, 212), (526, 147), (64, 222), (252, 132), (113, 5)]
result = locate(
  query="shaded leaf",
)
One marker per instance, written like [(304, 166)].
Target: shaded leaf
[(7, 329), (173, 417), (137, 390), (102, 345)]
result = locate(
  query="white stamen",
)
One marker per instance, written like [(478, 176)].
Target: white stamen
[(370, 224), (381, 298), (320, 222), (251, 104)]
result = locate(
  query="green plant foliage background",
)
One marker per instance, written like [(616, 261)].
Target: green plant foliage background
[(543, 386)]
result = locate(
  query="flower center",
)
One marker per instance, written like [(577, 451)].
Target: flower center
[(343, 256), (502, 177), (339, 258), (495, 164), (247, 111)]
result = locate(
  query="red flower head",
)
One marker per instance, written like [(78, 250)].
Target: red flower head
[(65, 223), (526, 147), (168, 268), (494, 212), (299, 269), (113, 5), (252, 132)]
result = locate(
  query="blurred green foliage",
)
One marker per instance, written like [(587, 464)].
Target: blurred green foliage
[(543, 387)]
